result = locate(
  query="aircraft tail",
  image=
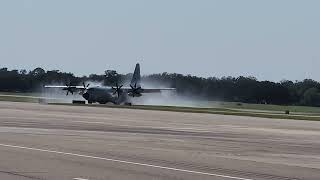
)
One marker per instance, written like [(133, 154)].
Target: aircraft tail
[(136, 76)]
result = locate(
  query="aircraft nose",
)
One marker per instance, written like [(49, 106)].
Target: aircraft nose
[(86, 96)]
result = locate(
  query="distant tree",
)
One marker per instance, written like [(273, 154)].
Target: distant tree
[(23, 72), (111, 77), (311, 97), (38, 72), (243, 89)]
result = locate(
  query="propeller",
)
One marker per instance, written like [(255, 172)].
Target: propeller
[(135, 91), (69, 88), (117, 89), (85, 87)]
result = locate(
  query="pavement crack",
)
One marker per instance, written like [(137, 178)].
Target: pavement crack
[(23, 174)]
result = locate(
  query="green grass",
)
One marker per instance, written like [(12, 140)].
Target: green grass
[(18, 99), (266, 107)]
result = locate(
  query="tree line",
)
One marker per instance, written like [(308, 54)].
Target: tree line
[(238, 89)]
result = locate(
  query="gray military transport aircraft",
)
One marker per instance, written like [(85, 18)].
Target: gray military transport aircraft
[(115, 95)]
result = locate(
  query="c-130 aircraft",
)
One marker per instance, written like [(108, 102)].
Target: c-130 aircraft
[(116, 95)]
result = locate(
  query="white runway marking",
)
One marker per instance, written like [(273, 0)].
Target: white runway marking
[(126, 162), (79, 179)]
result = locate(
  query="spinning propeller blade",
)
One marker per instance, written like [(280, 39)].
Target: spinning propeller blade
[(68, 89), (117, 90), (135, 91)]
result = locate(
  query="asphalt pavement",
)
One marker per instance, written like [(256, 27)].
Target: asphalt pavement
[(95, 143)]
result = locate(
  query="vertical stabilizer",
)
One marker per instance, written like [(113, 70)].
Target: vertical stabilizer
[(136, 76)]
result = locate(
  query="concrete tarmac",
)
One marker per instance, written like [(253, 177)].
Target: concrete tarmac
[(95, 143)]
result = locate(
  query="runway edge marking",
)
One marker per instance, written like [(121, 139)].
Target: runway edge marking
[(122, 161)]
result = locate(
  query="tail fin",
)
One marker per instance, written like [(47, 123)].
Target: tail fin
[(136, 76)]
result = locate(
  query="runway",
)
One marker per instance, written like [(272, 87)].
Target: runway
[(96, 143)]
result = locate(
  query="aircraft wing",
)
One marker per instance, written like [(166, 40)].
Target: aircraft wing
[(74, 87), (151, 90), (157, 90)]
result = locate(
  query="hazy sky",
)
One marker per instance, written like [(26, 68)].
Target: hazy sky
[(270, 39)]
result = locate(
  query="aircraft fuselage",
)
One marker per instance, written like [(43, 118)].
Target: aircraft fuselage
[(101, 95)]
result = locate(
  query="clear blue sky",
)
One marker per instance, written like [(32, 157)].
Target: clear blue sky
[(271, 39)]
